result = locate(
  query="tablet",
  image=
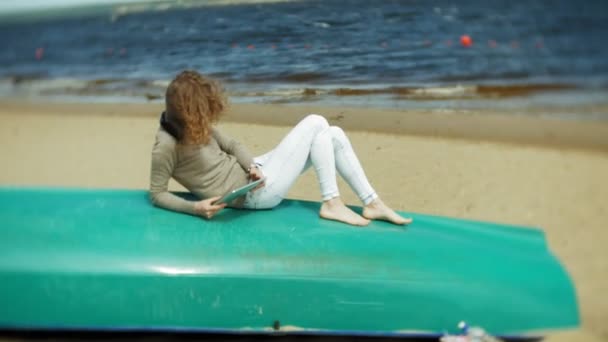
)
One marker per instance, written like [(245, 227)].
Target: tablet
[(232, 195)]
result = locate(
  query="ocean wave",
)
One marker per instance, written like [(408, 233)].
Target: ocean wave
[(520, 89), (453, 92), (16, 86), (414, 93), (39, 84), (155, 89), (166, 5), (281, 93), (294, 77), (161, 83), (457, 91)]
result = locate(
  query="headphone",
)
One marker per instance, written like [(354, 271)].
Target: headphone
[(171, 127)]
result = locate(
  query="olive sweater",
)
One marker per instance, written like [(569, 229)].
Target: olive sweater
[(205, 170)]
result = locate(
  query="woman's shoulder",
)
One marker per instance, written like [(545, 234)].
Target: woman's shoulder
[(215, 132), (164, 140), (219, 136)]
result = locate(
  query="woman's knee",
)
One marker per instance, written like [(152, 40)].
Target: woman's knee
[(317, 121), (337, 134)]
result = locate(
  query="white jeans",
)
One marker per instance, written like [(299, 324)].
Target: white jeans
[(311, 142)]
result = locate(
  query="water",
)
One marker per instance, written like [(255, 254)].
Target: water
[(401, 53)]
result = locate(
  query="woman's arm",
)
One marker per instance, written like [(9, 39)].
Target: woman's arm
[(233, 147), (163, 162), (161, 171)]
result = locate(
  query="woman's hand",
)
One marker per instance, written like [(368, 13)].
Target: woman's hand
[(254, 174), (207, 209)]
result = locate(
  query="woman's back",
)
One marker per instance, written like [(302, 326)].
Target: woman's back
[(207, 170)]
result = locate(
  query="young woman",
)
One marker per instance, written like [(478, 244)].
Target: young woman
[(209, 164)]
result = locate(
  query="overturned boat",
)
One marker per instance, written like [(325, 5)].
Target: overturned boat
[(108, 260)]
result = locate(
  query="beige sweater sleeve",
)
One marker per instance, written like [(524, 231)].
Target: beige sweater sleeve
[(233, 147), (164, 158)]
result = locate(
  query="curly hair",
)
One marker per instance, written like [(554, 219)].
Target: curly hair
[(194, 103)]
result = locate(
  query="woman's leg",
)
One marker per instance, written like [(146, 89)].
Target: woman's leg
[(350, 169), (309, 143)]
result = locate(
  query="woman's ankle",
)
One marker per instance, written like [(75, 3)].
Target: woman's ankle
[(334, 201), (335, 209), (375, 203), (377, 210)]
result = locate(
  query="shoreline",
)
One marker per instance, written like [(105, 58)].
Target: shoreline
[(571, 101), (493, 126)]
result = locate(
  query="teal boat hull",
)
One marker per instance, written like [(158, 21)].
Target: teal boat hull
[(108, 260)]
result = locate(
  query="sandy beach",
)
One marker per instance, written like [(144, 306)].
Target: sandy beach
[(486, 166)]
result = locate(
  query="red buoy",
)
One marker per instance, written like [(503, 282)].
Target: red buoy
[(466, 41), (39, 53)]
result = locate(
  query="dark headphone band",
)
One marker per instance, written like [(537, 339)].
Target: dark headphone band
[(171, 127)]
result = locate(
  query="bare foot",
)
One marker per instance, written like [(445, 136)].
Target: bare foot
[(334, 209), (377, 210)]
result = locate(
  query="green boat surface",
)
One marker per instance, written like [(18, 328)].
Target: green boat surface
[(108, 260)]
